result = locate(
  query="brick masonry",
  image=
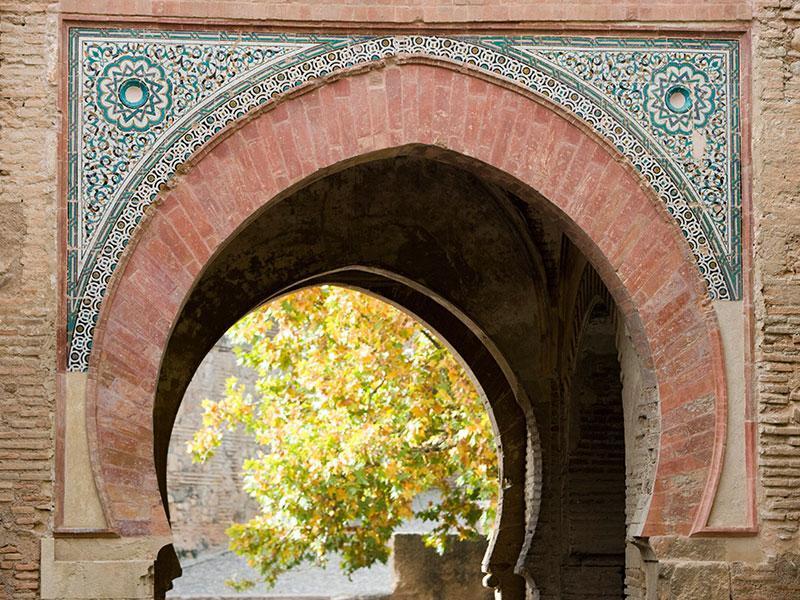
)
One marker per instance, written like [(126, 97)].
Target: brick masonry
[(776, 223), (516, 14), (29, 123), (205, 499)]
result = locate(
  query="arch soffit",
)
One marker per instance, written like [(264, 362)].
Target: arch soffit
[(632, 242)]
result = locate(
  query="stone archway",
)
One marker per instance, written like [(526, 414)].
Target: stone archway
[(533, 151)]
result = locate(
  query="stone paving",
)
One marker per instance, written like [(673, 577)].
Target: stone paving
[(204, 578)]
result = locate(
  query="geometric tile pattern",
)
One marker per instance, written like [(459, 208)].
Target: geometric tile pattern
[(141, 102)]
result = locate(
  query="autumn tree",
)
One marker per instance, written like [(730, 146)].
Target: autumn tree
[(357, 410)]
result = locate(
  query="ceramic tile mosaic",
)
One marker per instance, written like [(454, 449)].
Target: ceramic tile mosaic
[(142, 102)]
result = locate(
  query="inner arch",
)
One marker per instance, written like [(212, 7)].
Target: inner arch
[(409, 227)]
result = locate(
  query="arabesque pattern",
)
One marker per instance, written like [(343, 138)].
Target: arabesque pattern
[(142, 102)]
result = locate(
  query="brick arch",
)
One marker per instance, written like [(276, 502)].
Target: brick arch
[(511, 137)]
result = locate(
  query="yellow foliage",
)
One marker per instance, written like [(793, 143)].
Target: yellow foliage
[(359, 410)]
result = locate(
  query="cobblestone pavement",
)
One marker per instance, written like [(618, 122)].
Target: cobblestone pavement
[(204, 577)]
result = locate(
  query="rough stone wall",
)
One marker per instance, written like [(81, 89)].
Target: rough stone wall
[(776, 192), (640, 408), (421, 574), (28, 128), (205, 498), (776, 272)]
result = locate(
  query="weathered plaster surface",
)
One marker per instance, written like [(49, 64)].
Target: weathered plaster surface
[(81, 509), (732, 503), (98, 568)]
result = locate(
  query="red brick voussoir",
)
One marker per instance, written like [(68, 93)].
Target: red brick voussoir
[(508, 135)]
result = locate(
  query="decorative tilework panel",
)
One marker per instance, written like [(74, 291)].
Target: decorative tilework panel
[(142, 102)]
